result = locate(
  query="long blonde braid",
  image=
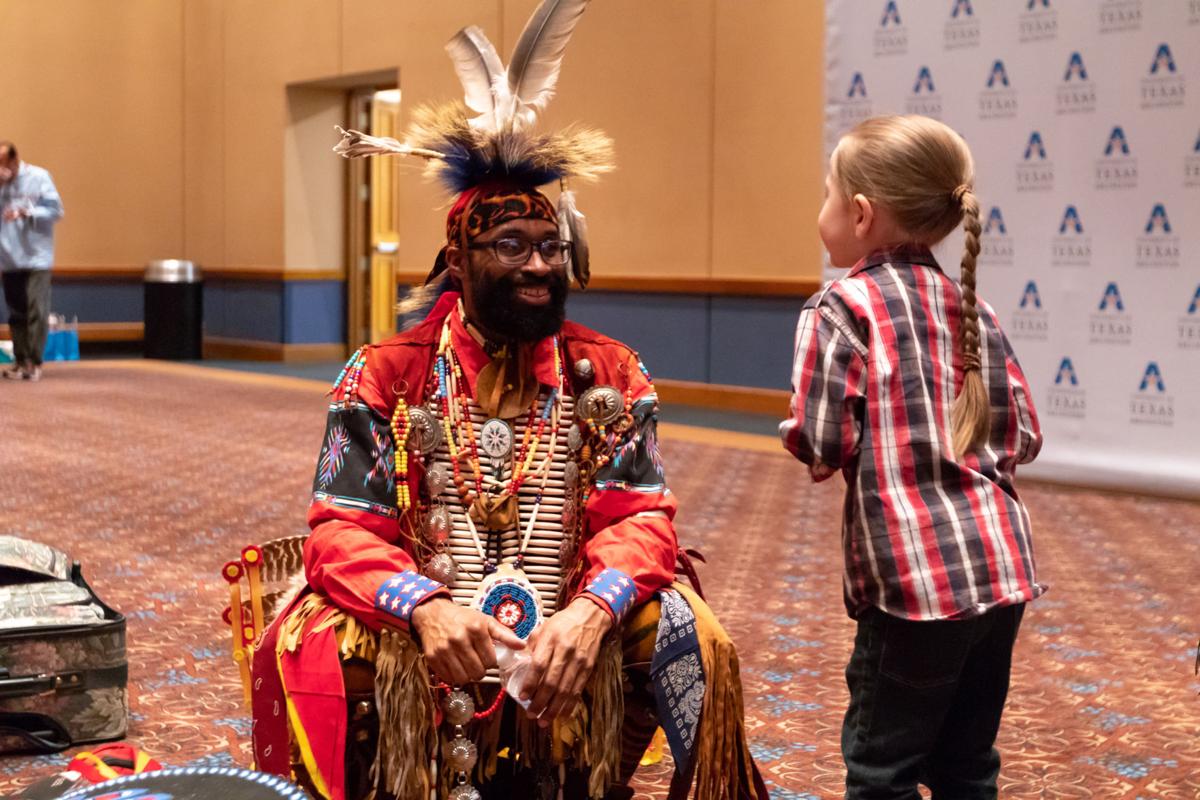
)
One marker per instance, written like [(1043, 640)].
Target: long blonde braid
[(971, 415), (922, 172)]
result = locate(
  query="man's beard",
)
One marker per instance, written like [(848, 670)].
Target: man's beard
[(503, 314)]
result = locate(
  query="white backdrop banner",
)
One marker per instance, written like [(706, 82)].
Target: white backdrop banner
[(1084, 120)]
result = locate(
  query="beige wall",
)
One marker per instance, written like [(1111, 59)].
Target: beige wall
[(92, 93), (165, 123)]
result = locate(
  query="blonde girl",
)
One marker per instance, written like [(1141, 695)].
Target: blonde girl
[(904, 382)]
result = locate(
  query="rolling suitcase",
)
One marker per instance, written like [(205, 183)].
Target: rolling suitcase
[(63, 669)]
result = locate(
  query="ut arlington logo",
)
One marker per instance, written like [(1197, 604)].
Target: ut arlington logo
[(962, 28), (1120, 15), (1151, 405), (1031, 298), (858, 87), (855, 107), (1116, 168), (1164, 86), (924, 99), (1110, 324), (1191, 162), (1072, 246), (1117, 145), (995, 245), (1077, 93), (1189, 324), (891, 37), (998, 100), (1030, 321), (1035, 171), (1066, 397), (1158, 244), (1038, 21), (1070, 221)]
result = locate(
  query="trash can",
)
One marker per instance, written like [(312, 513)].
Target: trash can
[(174, 309)]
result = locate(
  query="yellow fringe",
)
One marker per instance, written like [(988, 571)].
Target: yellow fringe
[(721, 738)]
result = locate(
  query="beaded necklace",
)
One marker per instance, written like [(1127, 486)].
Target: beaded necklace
[(491, 502)]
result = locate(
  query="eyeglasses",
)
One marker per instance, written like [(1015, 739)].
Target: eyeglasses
[(515, 252)]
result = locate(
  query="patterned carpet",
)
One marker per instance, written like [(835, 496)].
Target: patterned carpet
[(153, 476)]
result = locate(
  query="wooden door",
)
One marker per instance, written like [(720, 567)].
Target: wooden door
[(372, 222), (385, 221)]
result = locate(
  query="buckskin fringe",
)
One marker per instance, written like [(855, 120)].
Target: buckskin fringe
[(407, 737), (354, 639), (722, 754), (603, 744)]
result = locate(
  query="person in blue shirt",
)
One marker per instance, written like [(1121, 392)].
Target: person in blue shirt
[(29, 208)]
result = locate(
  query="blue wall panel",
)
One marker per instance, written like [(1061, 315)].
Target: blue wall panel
[(244, 310), (669, 331), (314, 312), (93, 300), (752, 341)]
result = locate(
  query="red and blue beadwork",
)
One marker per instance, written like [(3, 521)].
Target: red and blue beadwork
[(513, 604)]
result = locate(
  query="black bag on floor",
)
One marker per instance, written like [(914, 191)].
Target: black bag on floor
[(62, 654)]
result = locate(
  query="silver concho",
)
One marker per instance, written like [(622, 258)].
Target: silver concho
[(425, 435), (601, 404), (566, 552), (574, 439), (568, 514), (570, 475), (461, 754), (464, 791), (442, 569), (438, 524), (436, 479), (496, 438), (459, 707), (584, 369)]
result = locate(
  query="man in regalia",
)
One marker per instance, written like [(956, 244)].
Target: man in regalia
[(491, 606)]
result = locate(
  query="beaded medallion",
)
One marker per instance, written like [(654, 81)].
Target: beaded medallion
[(510, 598)]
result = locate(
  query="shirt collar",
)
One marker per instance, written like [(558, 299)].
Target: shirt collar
[(900, 254), (473, 358)]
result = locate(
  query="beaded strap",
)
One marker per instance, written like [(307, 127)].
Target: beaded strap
[(345, 388), (401, 426)]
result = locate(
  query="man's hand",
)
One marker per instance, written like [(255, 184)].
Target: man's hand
[(564, 651), (457, 641), (13, 213)]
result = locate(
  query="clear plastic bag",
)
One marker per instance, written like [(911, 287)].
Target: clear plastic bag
[(514, 665)]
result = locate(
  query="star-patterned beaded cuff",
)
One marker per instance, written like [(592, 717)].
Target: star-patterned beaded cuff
[(403, 592), (615, 589)]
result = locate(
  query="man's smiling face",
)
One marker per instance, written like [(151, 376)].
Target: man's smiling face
[(523, 303)]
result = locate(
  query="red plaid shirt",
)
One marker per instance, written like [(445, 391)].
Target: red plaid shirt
[(925, 536)]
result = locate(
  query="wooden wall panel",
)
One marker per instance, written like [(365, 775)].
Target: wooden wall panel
[(643, 73), (92, 94), (268, 44), (767, 153), (203, 102)]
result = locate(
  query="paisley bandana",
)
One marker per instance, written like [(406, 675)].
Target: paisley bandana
[(484, 207)]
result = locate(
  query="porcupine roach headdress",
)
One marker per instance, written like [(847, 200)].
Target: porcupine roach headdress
[(490, 159)]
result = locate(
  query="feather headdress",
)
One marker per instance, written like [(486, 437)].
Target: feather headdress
[(498, 143)]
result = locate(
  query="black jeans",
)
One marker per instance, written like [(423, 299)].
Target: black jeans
[(27, 295), (925, 705)]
